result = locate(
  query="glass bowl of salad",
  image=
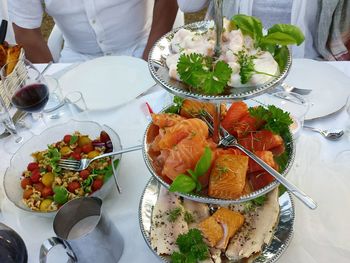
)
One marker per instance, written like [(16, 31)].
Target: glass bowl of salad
[(35, 183)]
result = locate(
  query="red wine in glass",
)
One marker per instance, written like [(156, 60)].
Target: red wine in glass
[(31, 98)]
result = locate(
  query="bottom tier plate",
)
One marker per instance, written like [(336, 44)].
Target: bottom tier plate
[(281, 239)]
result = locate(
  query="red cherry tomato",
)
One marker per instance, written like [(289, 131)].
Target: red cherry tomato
[(32, 166), (104, 137), (78, 150), (49, 168), (26, 181), (84, 174), (67, 138), (47, 191), (96, 184), (72, 186), (87, 148), (35, 176), (76, 156), (39, 187)]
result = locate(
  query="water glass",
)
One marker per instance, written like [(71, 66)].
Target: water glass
[(77, 105)]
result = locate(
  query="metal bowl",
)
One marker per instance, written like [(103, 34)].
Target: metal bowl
[(148, 137), (159, 71), (271, 253)]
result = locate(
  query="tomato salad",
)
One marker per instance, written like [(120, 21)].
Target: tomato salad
[(46, 186)]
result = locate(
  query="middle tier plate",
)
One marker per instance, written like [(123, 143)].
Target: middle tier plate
[(151, 132), (160, 71)]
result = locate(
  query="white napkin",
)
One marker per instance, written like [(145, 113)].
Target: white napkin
[(322, 235)]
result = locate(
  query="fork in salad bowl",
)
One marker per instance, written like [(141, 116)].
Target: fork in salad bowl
[(79, 165), (228, 140)]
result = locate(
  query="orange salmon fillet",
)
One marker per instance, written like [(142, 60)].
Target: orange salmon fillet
[(261, 141), (211, 230), (266, 156), (163, 120), (228, 176), (237, 110), (191, 108)]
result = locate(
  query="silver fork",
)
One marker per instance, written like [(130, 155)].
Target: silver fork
[(229, 140), (78, 165), (290, 88)]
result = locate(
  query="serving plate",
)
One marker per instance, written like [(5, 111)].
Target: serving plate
[(20, 160), (159, 71), (149, 136), (281, 239)]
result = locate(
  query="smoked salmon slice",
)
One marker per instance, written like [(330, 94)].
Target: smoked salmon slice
[(163, 120), (211, 230), (237, 111), (263, 140), (192, 108), (227, 178), (266, 156)]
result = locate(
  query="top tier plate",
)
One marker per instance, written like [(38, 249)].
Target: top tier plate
[(159, 71)]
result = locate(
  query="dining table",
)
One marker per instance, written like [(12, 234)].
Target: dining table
[(320, 235)]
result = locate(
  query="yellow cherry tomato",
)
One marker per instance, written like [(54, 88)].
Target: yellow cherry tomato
[(65, 151), (93, 154), (47, 179), (83, 140), (44, 206)]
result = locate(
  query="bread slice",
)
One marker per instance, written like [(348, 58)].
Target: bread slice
[(13, 54)]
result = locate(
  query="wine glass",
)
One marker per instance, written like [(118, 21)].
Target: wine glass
[(25, 86)]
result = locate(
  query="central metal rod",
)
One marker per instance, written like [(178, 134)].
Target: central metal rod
[(218, 25)]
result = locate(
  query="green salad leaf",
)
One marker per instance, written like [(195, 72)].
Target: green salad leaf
[(61, 195), (292, 31), (54, 156), (73, 139), (249, 25), (183, 183), (281, 56), (176, 107)]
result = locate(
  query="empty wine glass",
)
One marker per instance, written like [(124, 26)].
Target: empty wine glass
[(25, 86)]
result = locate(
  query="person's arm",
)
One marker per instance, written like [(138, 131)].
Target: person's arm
[(164, 14), (34, 44)]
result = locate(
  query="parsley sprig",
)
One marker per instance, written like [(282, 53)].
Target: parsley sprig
[(276, 120), (203, 74), (192, 248)]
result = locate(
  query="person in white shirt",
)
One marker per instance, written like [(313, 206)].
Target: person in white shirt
[(325, 23), (92, 28)]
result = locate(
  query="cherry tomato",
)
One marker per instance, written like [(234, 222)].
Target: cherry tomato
[(35, 176), (72, 186), (65, 151), (96, 184), (32, 166), (78, 150), (83, 140), (87, 148), (84, 174), (93, 154), (104, 137), (47, 191), (39, 187), (26, 181), (76, 156), (67, 138), (27, 193), (49, 168)]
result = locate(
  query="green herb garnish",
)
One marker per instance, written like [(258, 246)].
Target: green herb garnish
[(54, 156), (174, 214), (186, 184), (73, 139), (61, 195), (256, 202), (276, 120), (192, 248), (176, 107), (188, 217), (201, 73)]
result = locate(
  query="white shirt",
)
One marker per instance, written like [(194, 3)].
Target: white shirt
[(91, 28)]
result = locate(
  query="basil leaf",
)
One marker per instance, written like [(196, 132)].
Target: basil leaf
[(61, 195), (183, 184), (278, 38), (73, 139), (249, 25), (204, 163), (281, 57), (290, 30)]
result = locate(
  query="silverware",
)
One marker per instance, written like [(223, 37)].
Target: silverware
[(290, 88), (332, 135), (229, 140), (78, 165)]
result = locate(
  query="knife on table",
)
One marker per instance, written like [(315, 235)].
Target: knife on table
[(3, 31)]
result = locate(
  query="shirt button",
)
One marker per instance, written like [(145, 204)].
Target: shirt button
[(100, 41), (93, 21)]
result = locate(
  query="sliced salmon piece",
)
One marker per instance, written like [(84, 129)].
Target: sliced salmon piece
[(230, 221), (245, 125), (211, 230), (263, 140), (266, 156), (260, 179), (237, 110), (184, 156), (234, 151), (192, 108), (227, 178), (163, 120), (181, 130), (277, 151)]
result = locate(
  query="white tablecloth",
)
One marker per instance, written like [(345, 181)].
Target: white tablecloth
[(322, 235)]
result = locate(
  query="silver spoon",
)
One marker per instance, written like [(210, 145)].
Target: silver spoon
[(332, 135)]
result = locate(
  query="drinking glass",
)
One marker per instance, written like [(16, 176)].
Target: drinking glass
[(25, 86)]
